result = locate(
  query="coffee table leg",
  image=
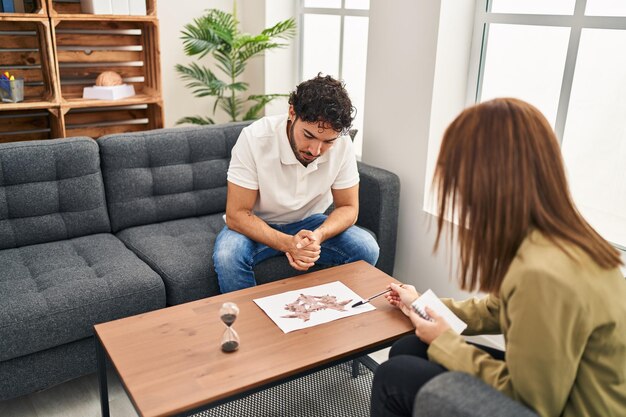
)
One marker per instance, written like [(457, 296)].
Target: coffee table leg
[(102, 378), (355, 368)]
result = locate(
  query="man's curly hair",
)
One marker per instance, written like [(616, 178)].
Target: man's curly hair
[(323, 99)]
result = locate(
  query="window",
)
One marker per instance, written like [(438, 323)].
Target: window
[(567, 58), (334, 42)]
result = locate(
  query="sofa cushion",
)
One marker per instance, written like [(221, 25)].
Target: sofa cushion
[(457, 394), (166, 174), (53, 293), (181, 251), (50, 190)]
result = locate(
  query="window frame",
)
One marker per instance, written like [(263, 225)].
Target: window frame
[(342, 12), (576, 22)]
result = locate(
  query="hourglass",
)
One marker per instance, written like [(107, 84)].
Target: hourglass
[(230, 338)]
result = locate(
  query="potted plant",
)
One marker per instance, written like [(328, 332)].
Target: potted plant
[(217, 33)]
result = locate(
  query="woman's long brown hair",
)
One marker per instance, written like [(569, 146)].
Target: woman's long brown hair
[(501, 173)]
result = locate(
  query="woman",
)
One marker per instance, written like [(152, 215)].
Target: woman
[(553, 284)]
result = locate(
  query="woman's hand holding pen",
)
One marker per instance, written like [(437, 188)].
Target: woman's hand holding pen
[(401, 296)]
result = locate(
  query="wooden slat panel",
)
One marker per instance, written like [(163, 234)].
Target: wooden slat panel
[(96, 132), (92, 73), (29, 75), (40, 72), (155, 116), (81, 39), (44, 35), (151, 7), (17, 25), (57, 123), (18, 41), (99, 56), (74, 118), (16, 124), (66, 8), (150, 58), (18, 137), (17, 58), (98, 25), (34, 92)]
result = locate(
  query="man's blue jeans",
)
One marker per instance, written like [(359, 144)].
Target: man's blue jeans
[(235, 255)]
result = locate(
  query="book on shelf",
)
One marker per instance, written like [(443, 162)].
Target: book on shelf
[(137, 7), (17, 6), (7, 6), (96, 6), (120, 7), (30, 6)]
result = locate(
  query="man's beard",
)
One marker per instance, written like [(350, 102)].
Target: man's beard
[(292, 143)]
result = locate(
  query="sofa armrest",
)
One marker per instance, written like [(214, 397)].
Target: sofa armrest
[(379, 202), (456, 394)]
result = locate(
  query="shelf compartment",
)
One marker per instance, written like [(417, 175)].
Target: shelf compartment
[(33, 7), (84, 49), (99, 121), (26, 52), (73, 9), (29, 124)]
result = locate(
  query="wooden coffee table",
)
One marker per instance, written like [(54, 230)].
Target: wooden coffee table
[(170, 361)]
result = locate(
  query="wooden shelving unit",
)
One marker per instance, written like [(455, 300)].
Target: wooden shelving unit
[(58, 51)]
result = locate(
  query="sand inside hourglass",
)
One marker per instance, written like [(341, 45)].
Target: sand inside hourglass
[(228, 318), (230, 346)]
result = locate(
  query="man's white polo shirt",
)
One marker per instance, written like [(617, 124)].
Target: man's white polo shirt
[(262, 159)]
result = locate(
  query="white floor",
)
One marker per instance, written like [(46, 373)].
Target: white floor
[(76, 398), (80, 398)]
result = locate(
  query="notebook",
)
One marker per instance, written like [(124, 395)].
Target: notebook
[(434, 303)]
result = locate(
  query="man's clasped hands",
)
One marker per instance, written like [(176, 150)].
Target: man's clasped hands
[(304, 249)]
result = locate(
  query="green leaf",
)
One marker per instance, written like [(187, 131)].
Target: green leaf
[(196, 120), (284, 30), (214, 30), (252, 49), (226, 63), (261, 102), (238, 86), (202, 80), (232, 106)]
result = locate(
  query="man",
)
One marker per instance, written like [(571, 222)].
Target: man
[(284, 173)]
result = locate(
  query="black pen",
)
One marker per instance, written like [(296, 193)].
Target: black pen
[(371, 298)]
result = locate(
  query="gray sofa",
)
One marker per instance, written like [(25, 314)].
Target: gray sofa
[(456, 394), (92, 231)]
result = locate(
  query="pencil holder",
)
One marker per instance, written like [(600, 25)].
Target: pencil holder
[(12, 91)]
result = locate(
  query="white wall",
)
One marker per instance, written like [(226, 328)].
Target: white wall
[(401, 72), (281, 65)]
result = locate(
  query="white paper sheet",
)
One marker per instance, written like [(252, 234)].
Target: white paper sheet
[(274, 306)]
